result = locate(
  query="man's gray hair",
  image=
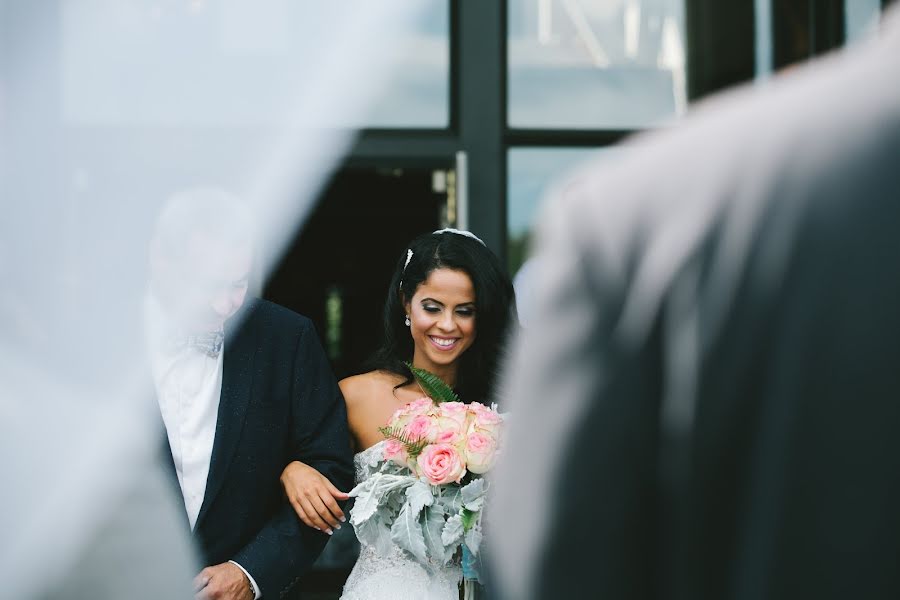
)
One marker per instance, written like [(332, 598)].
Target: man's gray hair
[(213, 211)]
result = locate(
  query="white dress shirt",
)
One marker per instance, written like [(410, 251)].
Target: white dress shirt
[(188, 387)]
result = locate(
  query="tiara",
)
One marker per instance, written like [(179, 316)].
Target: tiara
[(468, 234), (409, 255)]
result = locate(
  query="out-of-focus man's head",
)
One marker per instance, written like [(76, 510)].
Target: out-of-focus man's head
[(201, 256)]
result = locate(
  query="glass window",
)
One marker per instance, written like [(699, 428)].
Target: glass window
[(532, 172), (792, 25), (418, 94), (860, 18), (237, 63), (616, 64), (763, 47)]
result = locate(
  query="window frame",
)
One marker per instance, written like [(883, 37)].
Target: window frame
[(720, 53)]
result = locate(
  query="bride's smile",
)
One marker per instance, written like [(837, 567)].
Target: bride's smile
[(442, 321), (444, 344)]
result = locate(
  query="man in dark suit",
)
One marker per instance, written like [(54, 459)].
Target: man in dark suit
[(707, 405), (244, 388)]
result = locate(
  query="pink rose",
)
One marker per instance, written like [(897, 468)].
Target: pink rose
[(485, 420), (421, 406), (452, 423), (395, 451), (480, 451), (440, 464), (457, 411), (421, 427), (399, 419), (403, 415), (448, 430)]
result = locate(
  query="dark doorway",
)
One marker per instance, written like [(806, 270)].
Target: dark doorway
[(338, 268), (337, 271)]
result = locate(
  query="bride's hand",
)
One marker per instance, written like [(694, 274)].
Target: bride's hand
[(313, 497)]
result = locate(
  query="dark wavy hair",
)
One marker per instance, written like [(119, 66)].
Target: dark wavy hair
[(495, 309)]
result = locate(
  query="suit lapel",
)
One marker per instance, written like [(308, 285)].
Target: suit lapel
[(237, 379)]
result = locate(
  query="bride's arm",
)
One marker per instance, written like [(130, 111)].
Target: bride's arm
[(313, 497)]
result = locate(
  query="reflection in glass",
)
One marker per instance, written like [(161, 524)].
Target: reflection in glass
[(595, 63)]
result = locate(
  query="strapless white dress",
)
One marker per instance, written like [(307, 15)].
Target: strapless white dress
[(395, 576)]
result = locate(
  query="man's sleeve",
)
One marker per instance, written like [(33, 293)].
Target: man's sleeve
[(321, 435), (285, 548)]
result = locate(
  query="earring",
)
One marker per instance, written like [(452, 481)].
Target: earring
[(406, 322)]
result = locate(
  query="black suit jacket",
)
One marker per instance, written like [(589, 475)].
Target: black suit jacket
[(279, 402)]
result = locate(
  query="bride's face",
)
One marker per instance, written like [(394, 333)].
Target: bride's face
[(442, 319)]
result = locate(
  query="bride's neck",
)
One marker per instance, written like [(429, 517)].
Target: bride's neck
[(447, 373)]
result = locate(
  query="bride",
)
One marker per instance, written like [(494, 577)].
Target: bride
[(448, 309)]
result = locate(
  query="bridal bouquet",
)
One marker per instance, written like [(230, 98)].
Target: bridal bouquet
[(425, 493)]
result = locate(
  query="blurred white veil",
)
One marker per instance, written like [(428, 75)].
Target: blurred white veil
[(106, 109)]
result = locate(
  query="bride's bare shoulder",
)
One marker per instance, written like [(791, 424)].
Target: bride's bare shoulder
[(369, 387)]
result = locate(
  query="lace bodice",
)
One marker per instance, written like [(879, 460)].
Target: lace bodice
[(395, 576), (370, 456)]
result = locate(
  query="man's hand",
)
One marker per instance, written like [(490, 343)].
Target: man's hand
[(222, 582), (313, 497)]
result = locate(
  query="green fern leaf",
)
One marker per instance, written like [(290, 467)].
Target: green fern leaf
[(413, 447), (433, 386)]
